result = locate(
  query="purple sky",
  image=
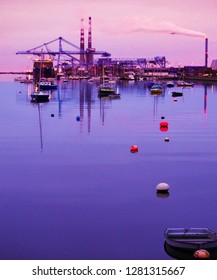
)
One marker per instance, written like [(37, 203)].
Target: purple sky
[(125, 28)]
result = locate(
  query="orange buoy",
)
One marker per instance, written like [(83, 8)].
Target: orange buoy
[(163, 124), (201, 254), (134, 149)]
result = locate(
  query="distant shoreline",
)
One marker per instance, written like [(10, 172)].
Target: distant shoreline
[(193, 78), (16, 72)]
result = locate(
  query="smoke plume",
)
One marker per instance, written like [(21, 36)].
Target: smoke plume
[(150, 25), (169, 28)]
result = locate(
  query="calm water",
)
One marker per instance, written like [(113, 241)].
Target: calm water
[(73, 190)]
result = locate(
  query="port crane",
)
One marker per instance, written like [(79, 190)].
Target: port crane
[(62, 52)]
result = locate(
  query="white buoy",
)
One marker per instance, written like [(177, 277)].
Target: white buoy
[(162, 187), (166, 139)]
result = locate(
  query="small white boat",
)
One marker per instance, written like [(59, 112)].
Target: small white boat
[(191, 238), (46, 85), (184, 84)]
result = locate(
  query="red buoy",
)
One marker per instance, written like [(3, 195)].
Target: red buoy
[(163, 124), (134, 149), (163, 128), (201, 254)]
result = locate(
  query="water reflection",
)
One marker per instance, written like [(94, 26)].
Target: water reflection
[(59, 100), (68, 190), (40, 126), (38, 107), (162, 194), (103, 106), (205, 100), (85, 100)]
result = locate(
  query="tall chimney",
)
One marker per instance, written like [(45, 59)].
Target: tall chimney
[(82, 57), (89, 35), (206, 52), (90, 54)]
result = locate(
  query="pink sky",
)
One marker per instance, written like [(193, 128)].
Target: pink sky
[(126, 29)]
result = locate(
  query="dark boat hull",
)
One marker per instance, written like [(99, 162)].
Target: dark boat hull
[(183, 254), (176, 94), (40, 98), (104, 91), (51, 87), (114, 95)]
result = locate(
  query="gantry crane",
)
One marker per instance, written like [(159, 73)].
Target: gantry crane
[(60, 52)]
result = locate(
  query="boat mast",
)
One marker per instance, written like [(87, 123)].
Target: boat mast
[(40, 70)]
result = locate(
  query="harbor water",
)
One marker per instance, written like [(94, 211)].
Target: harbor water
[(70, 186)]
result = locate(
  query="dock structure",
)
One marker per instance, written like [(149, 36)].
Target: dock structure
[(61, 57), (84, 60)]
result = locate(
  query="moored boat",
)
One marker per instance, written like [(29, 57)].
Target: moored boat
[(46, 85), (156, 89), (184, 84), (191, 238), (186, 254), (176, 94), (105, 90), (40, 97), (170, 84)]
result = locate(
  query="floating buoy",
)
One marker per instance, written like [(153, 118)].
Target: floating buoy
[(175, 100), (78, 118), (201, 254), (134, 149), (166, 139), (163, 124), (162, 117), (162, 187), (163, 128), (52, 115)]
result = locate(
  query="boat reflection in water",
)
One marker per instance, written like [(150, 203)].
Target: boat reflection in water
[(186, 254)]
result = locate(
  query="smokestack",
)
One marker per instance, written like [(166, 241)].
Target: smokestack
[(206, 52), (90, 54), (82, 57), (89, 35)]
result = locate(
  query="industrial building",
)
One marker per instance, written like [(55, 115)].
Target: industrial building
[(56, 60)]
